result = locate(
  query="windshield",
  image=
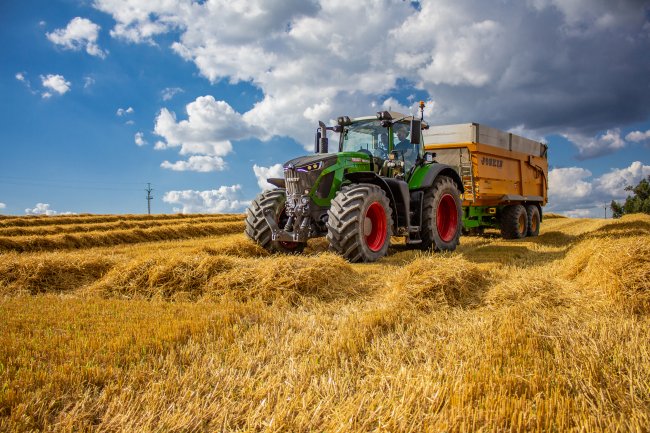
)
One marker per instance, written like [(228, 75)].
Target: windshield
[(367, 136)]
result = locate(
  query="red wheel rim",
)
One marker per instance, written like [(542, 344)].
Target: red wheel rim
[(447, 218), (375, 226)]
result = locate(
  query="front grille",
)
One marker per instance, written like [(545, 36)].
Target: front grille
[(292, 181), (298, 180)]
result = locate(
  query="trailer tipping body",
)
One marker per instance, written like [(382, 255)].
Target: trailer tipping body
[(498, 169)]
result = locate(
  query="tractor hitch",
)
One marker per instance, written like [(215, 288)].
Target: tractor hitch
[(278, 234)]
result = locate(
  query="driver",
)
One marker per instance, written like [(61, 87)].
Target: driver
[(404, 143)]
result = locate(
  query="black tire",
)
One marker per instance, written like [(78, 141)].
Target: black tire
[(259, 231), (359, 223), (442, 216), (532, 212), (514, 222)]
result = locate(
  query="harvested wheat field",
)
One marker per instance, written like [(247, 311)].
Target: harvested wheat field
[(172, 323)]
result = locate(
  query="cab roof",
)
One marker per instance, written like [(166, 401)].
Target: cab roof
[(395, 115)]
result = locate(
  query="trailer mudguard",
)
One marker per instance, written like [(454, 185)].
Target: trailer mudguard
[(396, 190), (424, 176)]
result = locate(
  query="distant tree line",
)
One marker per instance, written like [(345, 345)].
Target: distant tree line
[(638, 202)]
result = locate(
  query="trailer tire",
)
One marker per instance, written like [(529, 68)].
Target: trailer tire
[(258, 229), (514, 222), (442, 217), (532, 212), (359, 223)]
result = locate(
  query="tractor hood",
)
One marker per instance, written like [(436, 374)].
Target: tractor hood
[(304, 162)]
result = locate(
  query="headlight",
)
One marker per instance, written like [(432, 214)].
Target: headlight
[(311, 167)]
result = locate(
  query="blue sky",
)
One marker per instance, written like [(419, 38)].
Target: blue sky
[(205, 99)]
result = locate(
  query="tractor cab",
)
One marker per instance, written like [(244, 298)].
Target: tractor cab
[(392, 140)]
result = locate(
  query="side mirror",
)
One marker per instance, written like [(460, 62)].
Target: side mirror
[(416, 131)]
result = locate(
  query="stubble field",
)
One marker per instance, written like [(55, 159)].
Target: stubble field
[(179, 323)]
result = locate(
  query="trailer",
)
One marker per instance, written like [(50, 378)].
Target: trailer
[(505, 176)]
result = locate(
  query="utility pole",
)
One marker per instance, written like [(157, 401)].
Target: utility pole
[(149, 198), (605, 211)]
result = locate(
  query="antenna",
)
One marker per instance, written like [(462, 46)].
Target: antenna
[(149, 198)]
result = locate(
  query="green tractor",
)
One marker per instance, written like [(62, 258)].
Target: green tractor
[(379, 184)]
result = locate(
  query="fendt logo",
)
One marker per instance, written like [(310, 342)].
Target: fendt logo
[(492, 162)]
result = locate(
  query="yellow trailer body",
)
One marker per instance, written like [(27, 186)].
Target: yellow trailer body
[(498, 169)]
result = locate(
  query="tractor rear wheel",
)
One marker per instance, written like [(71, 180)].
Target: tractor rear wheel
[(514, 222), (258, 229), (359, 223), (442, 217), (532, 211)]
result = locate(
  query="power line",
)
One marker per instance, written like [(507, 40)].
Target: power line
[(30, 179), (51, 185)]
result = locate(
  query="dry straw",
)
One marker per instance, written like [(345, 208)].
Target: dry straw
[(200, 275), (618, 266), (117, 237), (123, 224), (205, 331), (31, 221), (50, 273)]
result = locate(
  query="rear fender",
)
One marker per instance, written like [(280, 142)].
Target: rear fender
[(436, 170)]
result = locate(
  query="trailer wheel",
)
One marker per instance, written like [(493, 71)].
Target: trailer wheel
[(514, 222), (441, 216), (259, 231), (359, 223), (533, 219)]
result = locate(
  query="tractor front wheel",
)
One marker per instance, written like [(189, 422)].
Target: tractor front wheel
[(442, 217), (359, 223), (258, 229)]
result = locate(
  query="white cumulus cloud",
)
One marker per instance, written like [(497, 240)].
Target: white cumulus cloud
[(263, 173), (206, 134), (22, 77), (80, 33), (638, 136), (569, 184), (573, 191), (88, 82), (590, 147), (44, 209), (139, 139), (124, 111), (500, 63), (199, 163), (2, 205), (223, 200), (614, 182), (54, 83), (169, 92)]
